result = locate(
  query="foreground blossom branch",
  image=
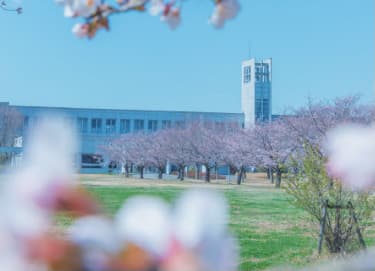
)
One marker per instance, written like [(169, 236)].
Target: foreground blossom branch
[(147, 233), (4, 6), (96, 13)]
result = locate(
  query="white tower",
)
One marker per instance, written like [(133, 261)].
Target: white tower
[(256, 98)]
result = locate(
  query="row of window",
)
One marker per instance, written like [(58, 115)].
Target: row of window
[(108, 126), (123, 126)]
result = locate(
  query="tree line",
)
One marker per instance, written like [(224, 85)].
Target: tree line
[(269, 146)]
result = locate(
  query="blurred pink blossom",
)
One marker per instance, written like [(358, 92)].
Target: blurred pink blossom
[(130, 4), (82, 8), (146, 222), (224, 10), (172, 18), (351, 151), (81, 30)]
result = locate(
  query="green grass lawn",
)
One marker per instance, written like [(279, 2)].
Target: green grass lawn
[(270, 230)]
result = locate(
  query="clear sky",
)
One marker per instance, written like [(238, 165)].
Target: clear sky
[(320, 49)]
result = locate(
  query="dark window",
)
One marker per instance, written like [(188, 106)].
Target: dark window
[(96, 126), (92, 161), (139, 125), (152, 125), (262, 109)]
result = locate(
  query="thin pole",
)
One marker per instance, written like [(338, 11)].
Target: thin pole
[(322, 226)]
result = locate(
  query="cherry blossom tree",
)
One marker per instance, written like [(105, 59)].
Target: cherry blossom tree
[(157, 152), (205, 142), (117, 150), (240, 151), (309, 124), (179, 150), (137, 147), (274, 147)]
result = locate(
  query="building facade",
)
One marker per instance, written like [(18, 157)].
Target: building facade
[(256, 91)]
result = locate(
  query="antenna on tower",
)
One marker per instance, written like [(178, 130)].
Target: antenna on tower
[(249, 48)]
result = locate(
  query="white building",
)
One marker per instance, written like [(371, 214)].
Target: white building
[(97, 126), (256, 95)]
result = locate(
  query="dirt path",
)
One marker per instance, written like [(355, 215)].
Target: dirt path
[(253, 181)]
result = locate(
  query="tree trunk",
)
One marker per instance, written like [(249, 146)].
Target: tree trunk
[(216, 172), (208, 173), (278, 178), (197, 171), (141, 172), (160, 175), (181, 173), (240, 176), (270, 175), (126, 171)]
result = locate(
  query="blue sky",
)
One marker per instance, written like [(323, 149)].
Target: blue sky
[(320, 49)]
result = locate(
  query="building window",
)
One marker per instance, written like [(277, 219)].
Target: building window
[(25, 122), (82, 125), (246, 74), (166, 124), (152, 125), (124, 126), (262, 109), (96, 126), (110, 126), (139, 125)]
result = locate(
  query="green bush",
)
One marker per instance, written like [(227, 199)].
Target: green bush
[(310, 187)]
